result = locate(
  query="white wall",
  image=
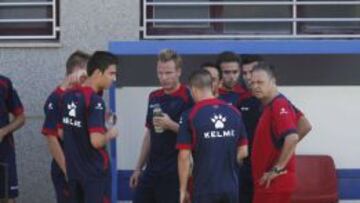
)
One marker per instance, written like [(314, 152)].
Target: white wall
[(334, 113)]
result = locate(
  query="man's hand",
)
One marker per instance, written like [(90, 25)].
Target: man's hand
[(269, 176), (164, 121), (77, 77), (112, 133), (134, 179), (184, 197), (3, 133)]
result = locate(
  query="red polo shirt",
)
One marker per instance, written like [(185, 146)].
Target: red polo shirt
[(279, 119)]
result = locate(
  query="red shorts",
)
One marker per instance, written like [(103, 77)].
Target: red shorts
[(272, 197)]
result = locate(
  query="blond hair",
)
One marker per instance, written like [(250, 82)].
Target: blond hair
[(166, 55)]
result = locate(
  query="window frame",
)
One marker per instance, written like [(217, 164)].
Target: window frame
[(54, 23), (217, 30)]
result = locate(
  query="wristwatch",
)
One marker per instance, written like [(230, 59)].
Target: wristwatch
[(277, 170)]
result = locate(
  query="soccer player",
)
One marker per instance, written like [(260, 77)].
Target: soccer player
[(231, 91), (9, 104), (214, 131), (75, 74), (215, 76), (276, 136), (251, 109), (85, 134), (159, 182)]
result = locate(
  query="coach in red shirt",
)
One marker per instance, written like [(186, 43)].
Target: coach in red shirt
[(273, 160)]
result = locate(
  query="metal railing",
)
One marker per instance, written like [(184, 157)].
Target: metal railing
[(51, 5), (151, 31)]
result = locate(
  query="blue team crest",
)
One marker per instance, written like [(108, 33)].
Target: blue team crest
[(219, 121)]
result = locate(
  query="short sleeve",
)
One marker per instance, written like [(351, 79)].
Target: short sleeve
[(59, 118), (185, 137), (284, 120), (298, 113), (96, 115), (148, 119), (13, 101), (51, 111)]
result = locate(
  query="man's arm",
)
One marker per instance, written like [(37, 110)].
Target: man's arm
[(184, 172), (145, 150), (286, 152), (56, 151), (14, 125), (99, 140), (242, 153), (303, 127), (144, 154)]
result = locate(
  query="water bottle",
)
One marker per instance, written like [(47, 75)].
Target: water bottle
[(157, 112), (110, 119)]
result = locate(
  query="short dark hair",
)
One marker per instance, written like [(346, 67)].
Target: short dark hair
[(78, 58), (209, 64), (250, 58), (101, 60), (268, 68), (227, 56), (200, 79)]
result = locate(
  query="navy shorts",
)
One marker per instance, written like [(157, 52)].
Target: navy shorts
[(8, 188), (217, 198), (61, 187), (90, 190), (246, 185), (157, 189)]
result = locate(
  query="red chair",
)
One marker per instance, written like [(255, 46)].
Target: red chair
[(316, 180)]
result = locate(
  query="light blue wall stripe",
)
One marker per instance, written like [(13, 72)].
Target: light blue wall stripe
[(113, 153), (239, 46)]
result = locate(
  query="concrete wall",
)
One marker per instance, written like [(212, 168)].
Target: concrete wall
[(35, 71)]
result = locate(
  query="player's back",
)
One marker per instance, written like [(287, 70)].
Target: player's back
[(218, 131), (9, 104), (82, 159), (4, 96)]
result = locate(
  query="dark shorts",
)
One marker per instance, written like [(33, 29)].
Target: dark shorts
[(246, 187), (8, 176), (157, 189), (61, 187), (90, 190), (217, 198)]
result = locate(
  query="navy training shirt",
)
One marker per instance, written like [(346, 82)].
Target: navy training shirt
[(251, 109), (52, 111), (10, 103), (233, 96), (83, 112), (163, 154), (213, 130)]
